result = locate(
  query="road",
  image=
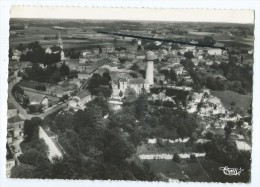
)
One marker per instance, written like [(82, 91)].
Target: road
[(22, 112)]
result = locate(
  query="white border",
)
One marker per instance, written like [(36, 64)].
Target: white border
[(213, 4)]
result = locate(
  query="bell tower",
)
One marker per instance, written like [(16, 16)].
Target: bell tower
[(60, 40)]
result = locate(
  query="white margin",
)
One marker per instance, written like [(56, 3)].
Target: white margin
[(213, 4)]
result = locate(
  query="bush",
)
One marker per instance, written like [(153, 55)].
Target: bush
[(193, 157), (37, 108), (176, 158), (209, 135)]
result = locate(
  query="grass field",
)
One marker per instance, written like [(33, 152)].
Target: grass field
[(227, 96)]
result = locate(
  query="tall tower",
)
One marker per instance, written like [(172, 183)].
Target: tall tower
[(149, 67), (60, 40)]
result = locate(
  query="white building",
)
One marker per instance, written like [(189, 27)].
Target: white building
[(138, 84), (215, 52)]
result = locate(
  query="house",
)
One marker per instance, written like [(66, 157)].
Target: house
[(15, 126), (83, 67), (209, 63), (120, 83), (107, 49), (12, 110), (10, 161), (48, 50), (85, 53), (83, 75), (65, 88), (215, 52), (195, 61), (82, 60), (16, 55), (119, 86), (79, 101), (218, 44), (189, 48), (84, 96), (138, 84), (178, 69), (96, 51), (76, 81), (159, 77), (111, 67)]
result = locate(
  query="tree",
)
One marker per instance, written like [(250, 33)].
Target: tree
[(32, 157), (64, 70), (232, 103), (64, 168), (21, 47), (182, 131), (130, 96), (176, 158), (31, 128), (141, 105), (23, 171), (228, 131), (194, 136), (116, 148), (188, 55), (173, 75), (120, 93), (55, 77), (133, 74), (37, 108), (18, 89), (240, 123), (107, 77), (193, 157), (135, 67), (207, 41)]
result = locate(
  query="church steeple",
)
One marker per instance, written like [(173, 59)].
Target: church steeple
[(60, 40)]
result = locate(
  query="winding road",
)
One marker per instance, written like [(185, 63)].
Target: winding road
[(22, 112)]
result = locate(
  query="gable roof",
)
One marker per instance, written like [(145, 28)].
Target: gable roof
[(83, 94), (137, 81), (15, 119)]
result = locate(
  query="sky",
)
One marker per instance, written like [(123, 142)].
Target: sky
[(187, 15)]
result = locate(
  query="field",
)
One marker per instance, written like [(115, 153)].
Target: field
[(227, 96), (34, 33)]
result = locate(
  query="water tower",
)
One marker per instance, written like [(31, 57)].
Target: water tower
[(149, 67)]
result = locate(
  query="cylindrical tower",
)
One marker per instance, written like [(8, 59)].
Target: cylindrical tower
[(149, 67)]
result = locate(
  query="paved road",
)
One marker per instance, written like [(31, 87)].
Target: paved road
[(22, 112)]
